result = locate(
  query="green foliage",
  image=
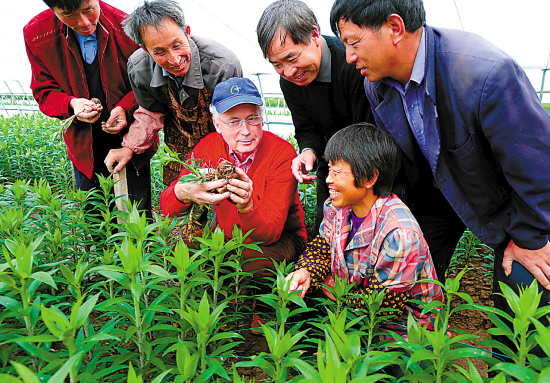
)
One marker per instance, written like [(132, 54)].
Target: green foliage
[(30, 151), (470, 250), (525, 332), (308, 196), (284, 353), (275, 102), (32, 148), (103, 293), (84, 299), (547, 107), (431, 355)]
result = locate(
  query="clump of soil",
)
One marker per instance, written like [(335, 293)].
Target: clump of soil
[(224, 171), (97, 104), (95, 107)]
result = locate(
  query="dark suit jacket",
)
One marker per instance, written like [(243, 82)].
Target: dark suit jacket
[(489, 134), (320, 109)]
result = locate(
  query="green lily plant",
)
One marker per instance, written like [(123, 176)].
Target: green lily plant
[(341, 290), (524, 330), (19, 276), (222, 258), (65, 329), (284, 354), (280, 298), (205, 324), (340, 359), (134, 275), (431, 354), (185, 265)]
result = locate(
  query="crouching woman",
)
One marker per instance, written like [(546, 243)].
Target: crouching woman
[(368, 235)]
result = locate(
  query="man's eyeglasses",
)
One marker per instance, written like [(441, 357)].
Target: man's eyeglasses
[(252, 121)]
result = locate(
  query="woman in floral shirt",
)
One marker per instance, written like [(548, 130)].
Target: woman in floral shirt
[(368, 235)]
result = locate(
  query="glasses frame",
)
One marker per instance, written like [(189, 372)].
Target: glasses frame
[(240, 122)]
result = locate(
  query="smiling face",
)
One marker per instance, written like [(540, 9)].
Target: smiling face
[(244, 139), (341, 186), (370, 51), (84, 20), (297, 63), (169, 46)]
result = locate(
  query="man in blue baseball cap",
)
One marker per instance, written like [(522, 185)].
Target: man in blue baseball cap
[(264, 197)]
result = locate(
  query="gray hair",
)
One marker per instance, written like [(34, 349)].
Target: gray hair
[(216, 115), (152, 13), (292, 18)]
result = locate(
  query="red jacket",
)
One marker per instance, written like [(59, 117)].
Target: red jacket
[(277, 206), (58, 73)]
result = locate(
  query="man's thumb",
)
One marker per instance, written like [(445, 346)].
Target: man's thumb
[(507, 265)]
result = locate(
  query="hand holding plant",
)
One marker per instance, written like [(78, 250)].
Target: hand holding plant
[(299, 280)]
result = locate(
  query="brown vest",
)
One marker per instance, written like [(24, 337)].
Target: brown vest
[(184, 128)]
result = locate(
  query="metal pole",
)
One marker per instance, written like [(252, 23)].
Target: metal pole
[(28, 97), (542, 85), (4, 105), (262, 93), (14, 100)]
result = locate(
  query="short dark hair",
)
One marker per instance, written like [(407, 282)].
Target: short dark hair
[(367, 150), (152, 13), (373, 14), (292, 17), (65, 5)]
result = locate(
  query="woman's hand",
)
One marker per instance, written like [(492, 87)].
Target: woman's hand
[(300, 280)]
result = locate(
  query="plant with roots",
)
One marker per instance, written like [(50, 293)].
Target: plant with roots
[(199, 172)]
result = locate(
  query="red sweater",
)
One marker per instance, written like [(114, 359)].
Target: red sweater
[(58, 73), (277, 207)]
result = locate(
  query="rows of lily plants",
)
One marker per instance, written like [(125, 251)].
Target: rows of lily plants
[(85, 299), (32, 148)]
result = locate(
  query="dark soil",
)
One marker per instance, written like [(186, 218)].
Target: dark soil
[(478, 285)]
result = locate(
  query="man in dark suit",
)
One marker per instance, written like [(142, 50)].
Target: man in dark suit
[(322, 91), (475, 135)]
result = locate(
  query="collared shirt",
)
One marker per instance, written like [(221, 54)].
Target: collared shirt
[(192, 79), (324, 74), (412, 95), (210, 64), (388, 245), (177, 79), (88, 46), (247, 163)]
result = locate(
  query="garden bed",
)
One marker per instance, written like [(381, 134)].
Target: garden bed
[(83, 299)]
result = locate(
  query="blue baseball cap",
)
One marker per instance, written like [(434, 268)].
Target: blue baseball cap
[(233, 92)]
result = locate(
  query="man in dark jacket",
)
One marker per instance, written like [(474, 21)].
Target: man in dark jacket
[(78, 51), (173, 78), (475, 135), (322, 91)]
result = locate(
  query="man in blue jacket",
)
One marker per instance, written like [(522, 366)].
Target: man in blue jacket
[(475, 135)]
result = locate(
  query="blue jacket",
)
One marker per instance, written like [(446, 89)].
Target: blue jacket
[(489, 134)]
